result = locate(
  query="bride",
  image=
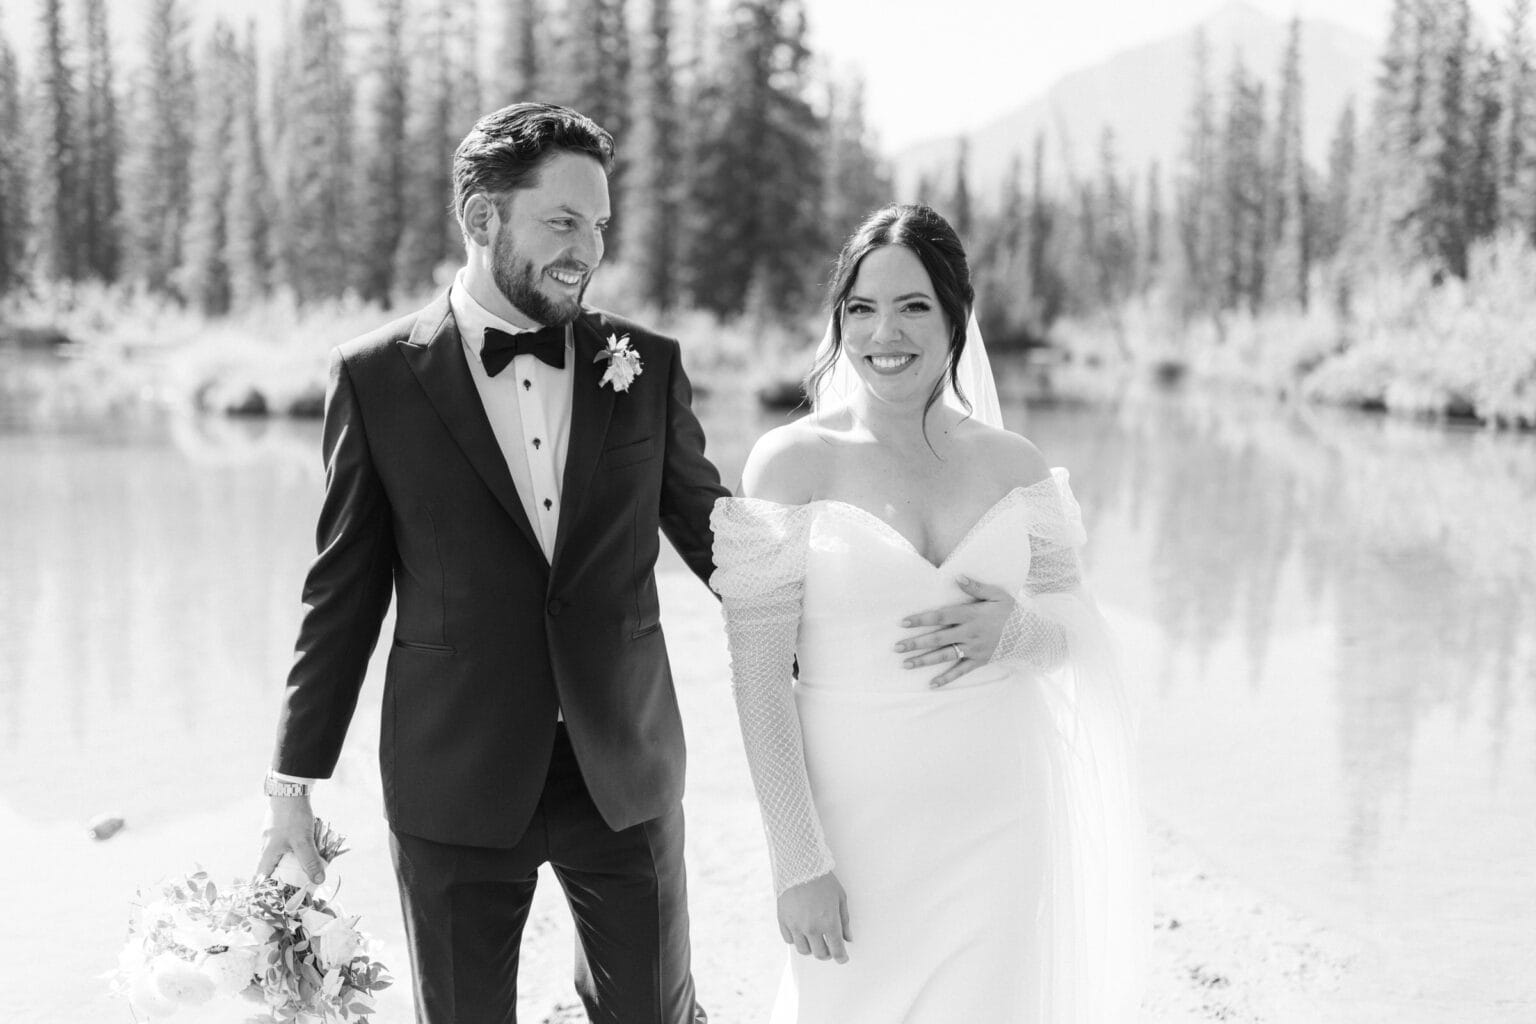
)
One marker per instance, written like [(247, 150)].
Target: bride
[(962, 850)]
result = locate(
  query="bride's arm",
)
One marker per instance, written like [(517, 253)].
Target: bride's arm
[(759, 552), (760, 548), (1030, 637)]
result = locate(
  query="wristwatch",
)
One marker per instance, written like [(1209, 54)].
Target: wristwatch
[(273, 786)]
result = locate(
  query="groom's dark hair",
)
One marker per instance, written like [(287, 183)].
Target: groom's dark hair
[(929, 236), (506, 149)]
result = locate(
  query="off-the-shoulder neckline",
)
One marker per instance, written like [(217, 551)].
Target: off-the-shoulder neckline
[(1056, 478)]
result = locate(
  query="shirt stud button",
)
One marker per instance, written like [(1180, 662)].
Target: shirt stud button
[(536, 443), (527, 384), (548, 504)]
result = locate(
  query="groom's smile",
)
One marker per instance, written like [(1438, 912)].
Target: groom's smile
[(570, 279)]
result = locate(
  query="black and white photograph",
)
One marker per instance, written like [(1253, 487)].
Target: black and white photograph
[(768, 512)]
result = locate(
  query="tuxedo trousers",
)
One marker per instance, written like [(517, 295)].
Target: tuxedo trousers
[(465, 908)]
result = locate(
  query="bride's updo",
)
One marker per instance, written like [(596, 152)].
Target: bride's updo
[(929, 236)]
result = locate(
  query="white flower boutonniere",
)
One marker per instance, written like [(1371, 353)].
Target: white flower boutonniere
[(623, 363)]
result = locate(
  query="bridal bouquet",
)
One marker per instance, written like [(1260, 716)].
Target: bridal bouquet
[(268, 940)]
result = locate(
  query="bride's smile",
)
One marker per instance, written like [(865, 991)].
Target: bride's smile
[(889, 364)]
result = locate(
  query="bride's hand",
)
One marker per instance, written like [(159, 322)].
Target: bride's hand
[(963, 636), (813, 917)]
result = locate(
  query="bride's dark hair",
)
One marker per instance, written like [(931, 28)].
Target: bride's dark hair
[(929, 236)]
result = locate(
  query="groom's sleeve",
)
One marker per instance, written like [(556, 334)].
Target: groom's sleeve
[(346, 592), (690, 483)]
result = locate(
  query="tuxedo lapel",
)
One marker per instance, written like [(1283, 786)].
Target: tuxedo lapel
[(591, 408), (436, 356)]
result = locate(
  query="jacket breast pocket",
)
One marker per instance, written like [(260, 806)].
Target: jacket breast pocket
[(629, 453)]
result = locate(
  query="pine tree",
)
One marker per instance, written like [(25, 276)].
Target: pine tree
[(857, 181), (1339, 204), (57, 194), (1152, 260), (1286, 219), (203, 277), (1516, 154), (998, 265), (1047, 289), (1480, 195), (249, 202), (594, 77), (384, 171), (1392, 198), (1243, 241), (430, 238), (101, 205), (463, 24), (1113, 252), (695, 83), (960, 203), (1012, 207), (157, 166), (1196, 198), (654, 200), (525, 43), (1445, 145), (13, 176), (318, 161), (758, 231)]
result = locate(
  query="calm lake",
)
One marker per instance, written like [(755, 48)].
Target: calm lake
[(1332, 618)]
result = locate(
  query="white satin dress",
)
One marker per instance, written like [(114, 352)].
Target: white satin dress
[(985, 832)]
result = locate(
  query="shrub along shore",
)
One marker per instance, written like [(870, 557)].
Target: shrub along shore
[(1455, 350), (1400, 343)]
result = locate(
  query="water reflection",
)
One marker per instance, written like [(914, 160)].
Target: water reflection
[(1341, 652), (1410, 548), (148, 593), (1334, 615)]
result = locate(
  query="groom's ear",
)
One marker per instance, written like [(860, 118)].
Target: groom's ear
[(480, 217)]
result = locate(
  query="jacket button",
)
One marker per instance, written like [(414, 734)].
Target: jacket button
[(554, 606)]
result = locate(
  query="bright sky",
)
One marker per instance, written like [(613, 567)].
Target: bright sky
[(933, 68)]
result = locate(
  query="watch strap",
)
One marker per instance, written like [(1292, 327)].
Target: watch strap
[(274, 786)]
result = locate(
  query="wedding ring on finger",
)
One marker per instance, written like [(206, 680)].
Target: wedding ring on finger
[(959, 654)]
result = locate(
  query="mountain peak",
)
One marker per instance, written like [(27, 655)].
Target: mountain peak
[(1143, 95)]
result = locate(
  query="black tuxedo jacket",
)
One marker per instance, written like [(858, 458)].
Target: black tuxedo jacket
[(490, 638)]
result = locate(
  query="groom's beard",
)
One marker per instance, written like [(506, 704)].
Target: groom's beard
[(519, 282)]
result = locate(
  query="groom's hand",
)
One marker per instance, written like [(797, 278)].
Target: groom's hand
[(289, 827), (960, 636), (813, 917)]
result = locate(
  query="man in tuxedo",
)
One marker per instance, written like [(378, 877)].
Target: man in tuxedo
[(501, 461)]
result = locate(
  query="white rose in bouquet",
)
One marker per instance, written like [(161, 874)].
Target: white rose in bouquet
[(232, 970), (335, 939), (168, 983), (145, 997)]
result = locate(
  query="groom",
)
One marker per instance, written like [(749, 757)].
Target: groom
[(502, 460)]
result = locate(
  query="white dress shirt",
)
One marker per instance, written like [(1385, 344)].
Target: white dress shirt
[(529, 406)]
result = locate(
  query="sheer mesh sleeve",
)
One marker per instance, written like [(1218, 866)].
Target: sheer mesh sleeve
[(760, 550), (1032, 637)]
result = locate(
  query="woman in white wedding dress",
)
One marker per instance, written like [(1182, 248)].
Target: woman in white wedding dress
[(967, 852)]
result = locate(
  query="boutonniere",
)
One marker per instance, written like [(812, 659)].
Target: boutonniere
[(623, 363)]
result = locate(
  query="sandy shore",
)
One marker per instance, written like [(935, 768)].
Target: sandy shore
[(1221, 952)]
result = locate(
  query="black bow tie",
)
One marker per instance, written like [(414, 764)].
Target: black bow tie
[(547, 343)]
